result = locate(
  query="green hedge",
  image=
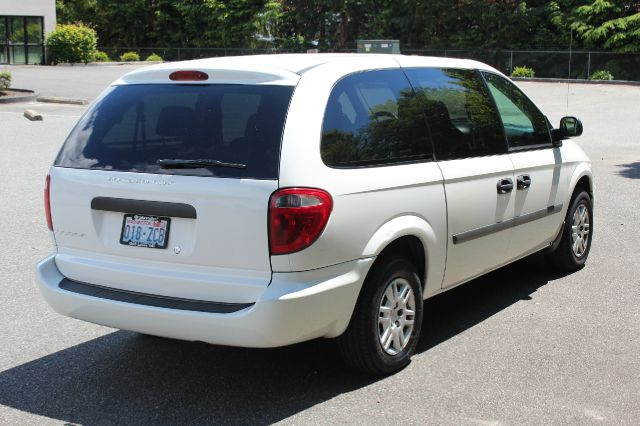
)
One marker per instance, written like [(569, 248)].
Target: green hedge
[(601, 75), (100, 56), (523, 71), (129, 57), (72, 43), (154, 58), (5, 80)]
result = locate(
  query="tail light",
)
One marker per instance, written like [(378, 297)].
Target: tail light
[(47, 203), (297, 217), (188, 75)]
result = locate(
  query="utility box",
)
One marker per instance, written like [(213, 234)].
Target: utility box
[(379, 46)]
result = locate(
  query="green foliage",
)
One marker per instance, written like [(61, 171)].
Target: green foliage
[(154, 58), (609, 24), (523, 71), (5, 80), (72, 43), (129, 57), (601, 75), (337, 24), (100, 56)]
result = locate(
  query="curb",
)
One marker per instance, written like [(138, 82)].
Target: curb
[(29, 96), (32, 115), (61, 100), (576, 81)]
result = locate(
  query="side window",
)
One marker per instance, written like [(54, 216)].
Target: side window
[(460, 115), (524, 124), (371, 118)]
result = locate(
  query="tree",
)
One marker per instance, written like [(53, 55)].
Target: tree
[(337, 24), (609, 24)]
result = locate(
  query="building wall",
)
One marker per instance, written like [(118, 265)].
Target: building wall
[(45, 8)]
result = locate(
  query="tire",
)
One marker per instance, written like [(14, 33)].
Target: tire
[(392, 291), (572, 252)]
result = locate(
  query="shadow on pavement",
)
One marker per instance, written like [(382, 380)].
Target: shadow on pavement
[(631, 170), (126, 378)]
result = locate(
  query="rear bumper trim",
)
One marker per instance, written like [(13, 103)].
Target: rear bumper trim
[(151, 299), (297, 306), (156, 208)]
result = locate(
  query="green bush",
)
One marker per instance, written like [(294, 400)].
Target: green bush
[(100, 56), (5, 80), (129, 57), (154, 58), (72, 43), (523, 71), (601, 75)]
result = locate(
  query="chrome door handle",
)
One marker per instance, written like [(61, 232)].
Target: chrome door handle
[(505, 185), (524, 181)]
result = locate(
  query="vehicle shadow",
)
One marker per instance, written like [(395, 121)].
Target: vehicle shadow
[(631, 170), (126, 378)]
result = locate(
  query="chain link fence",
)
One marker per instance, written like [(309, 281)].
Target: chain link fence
[(545, 63)]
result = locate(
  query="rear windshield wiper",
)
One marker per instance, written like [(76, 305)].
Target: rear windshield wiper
[(197, 164)]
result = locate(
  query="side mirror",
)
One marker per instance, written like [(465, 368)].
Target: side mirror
[(570, 127)]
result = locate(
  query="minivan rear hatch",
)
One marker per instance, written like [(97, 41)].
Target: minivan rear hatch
[(164, 188)]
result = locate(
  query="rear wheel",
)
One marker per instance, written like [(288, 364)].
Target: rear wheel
[(385, 325), (575, 243)]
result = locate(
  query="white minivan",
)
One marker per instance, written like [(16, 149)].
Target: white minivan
[(261, 201)]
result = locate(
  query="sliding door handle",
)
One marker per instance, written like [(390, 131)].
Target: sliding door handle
[(505, 185), (524, 181)]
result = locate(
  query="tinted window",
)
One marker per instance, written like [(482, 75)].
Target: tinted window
[(523, 123), (372, 118), (461, 117), (134, 126)]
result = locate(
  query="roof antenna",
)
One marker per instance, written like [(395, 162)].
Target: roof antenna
[(569, 75)]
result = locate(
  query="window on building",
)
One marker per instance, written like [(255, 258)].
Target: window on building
[(21, 40)]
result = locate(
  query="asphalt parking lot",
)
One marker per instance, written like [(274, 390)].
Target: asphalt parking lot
[(523, 345)]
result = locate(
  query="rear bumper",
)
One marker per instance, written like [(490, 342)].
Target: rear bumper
[(295, 307)]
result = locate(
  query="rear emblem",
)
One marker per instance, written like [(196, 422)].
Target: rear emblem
[(177, 249)]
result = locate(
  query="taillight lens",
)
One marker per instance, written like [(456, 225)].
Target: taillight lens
[(47, 203), (297, 217)]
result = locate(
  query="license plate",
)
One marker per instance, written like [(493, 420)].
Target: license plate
[(145, 231)]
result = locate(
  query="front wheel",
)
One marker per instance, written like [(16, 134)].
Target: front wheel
[(385, 326), (575, 243)]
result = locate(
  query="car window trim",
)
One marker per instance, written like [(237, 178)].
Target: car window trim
[(378, 163), (531, 147)]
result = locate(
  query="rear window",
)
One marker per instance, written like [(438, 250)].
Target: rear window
[(134, 126)]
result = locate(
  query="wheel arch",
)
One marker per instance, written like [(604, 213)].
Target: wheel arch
[(411, 237), (582, 179)]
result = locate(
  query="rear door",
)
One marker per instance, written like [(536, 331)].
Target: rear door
[(135, 208), (471, 152), (538, 188)]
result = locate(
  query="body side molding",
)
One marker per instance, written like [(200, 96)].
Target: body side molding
[(499, 226)]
